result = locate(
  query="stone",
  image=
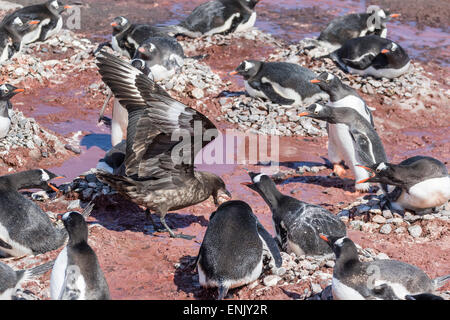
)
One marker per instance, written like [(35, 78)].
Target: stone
[(382, 256), (271, 280), (415, 231), (379, 219), (387, 214), (386, 229), (400, 230), (356, 224), (316, 288), (74, 205)]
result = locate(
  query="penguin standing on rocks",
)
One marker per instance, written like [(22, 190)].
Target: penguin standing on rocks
[(49, 15), (297, 223), (366, 147), (217, 17), (162, 55), (340, 143), (350, 26), (372, 56), (7, 49), (7, 91), (76, 274), (22, 30), (281, 82), (379, 279), (24, 228), (10, 280), (234, 248), (421, 183)]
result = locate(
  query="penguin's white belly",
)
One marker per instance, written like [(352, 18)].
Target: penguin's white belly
[(343, 292), (389, 73), (426, 194), (116, 48), (17, 250), (352, 102), (340, 144), (230, 283), (55, 30), (58, 275), (119, 122), (5, 124), (31, 36), (247, 25), (253, 92), (225, 27)]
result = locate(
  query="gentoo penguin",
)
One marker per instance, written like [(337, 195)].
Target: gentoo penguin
[(355, 280), (154, 177), (281, 82), (297, 223), (49, 15), (366, 147), (7, 48), (24, 228), (217, 16), (234, 248), (10, 280), (128, 37), (113, 159), (164, 56), (420, 182), (23, 30), (76, 274), (7, 91), (372, 56), (339, 140)]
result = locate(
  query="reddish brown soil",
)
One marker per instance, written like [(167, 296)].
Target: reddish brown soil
[(140, 265)]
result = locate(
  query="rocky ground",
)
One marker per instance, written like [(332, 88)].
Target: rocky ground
[(64, 94)]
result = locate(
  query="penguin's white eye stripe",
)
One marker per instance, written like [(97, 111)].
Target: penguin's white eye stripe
[(55, 4), (330, 77), (4, 88), (318, 108), (17, 21), (381, 166), (248, 65), (66, 215), (394, 46), (340, 241), (45, 176), (257, 179), (381, 14)]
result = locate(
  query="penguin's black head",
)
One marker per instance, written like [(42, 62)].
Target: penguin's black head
[(148, 52), (385, 15), (327, 81), (8, 91), (261, 183), (247, 69), (249, 3), (57, 7), (318, 111), (45, 177), (120, 23), (341, 246), (76, 226), (142, 66), (391, 49), (37, 179), (381, 173)]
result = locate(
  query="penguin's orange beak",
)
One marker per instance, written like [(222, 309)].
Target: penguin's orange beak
[(303, 114), (67, 7), (19, 90), (60, 177), (141, 50), (395, 15), (233, 73), (32, 22), (315, 81), (52, 187), (59, 217), (114, 24), (384, 51), (323, 237), (372, 174)]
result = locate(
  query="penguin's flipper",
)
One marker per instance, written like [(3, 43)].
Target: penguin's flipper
[(5, 245), (270, 93), (335, 57), (384, 292), (271, 244), (361, 63), (223, 290), (363, 146)]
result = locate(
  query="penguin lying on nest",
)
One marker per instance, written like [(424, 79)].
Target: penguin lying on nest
[(234, 248), (379, 279), (421, 183), (347, 27)]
